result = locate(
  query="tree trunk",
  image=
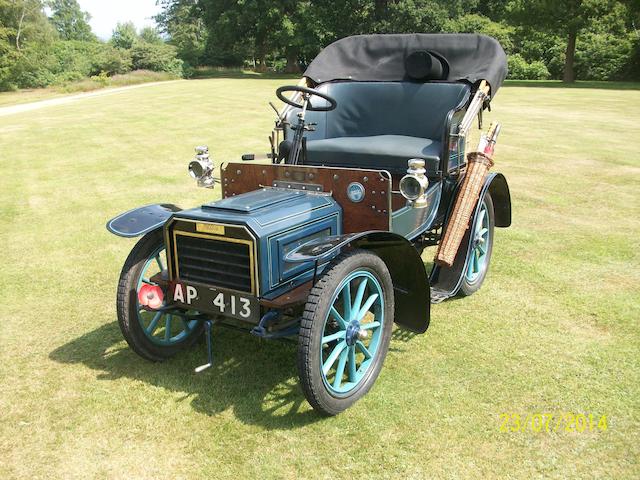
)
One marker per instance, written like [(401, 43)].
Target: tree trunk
[(19, 32), (569, 75), (261, 66), (292, 62)]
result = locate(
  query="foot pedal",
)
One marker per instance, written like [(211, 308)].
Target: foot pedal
[(438, 296), (207, 329)]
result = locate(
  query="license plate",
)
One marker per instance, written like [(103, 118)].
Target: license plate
[(216, 301)]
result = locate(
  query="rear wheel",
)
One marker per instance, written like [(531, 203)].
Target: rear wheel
[(481, 248), (151, 329), (345, 332)]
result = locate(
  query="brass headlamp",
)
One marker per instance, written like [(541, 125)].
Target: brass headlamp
[(201, 168), (414, 184)]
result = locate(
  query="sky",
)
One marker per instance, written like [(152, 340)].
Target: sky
[(105, 14)]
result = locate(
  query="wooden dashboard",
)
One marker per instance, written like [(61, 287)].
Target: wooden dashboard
[(372, 213)]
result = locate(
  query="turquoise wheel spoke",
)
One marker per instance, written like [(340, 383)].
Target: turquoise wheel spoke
[(363, 349), (342, 352), (367, 305), (333, 336), (357, 303), (340, 369), (370, 325), (173, 332), (346, 300), (154, 323), (352, 363), (338, 317), (167, 328), (333, 357), (478, 256)]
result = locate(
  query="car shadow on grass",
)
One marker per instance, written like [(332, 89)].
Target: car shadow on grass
[(254, 377)]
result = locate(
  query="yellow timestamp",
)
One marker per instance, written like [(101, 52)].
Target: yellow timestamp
[(552, 422)]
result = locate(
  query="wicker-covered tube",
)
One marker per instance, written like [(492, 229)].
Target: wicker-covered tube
[(478, 166)]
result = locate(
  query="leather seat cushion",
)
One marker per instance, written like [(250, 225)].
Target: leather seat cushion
[(384, 152)]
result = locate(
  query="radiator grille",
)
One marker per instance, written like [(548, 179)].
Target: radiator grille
[(218, 263)]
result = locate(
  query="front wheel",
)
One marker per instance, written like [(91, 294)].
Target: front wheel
[(481, 247), (345, 331), (152, 330)]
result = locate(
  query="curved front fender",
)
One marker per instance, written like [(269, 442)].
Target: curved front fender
[(411, 287), (141, 220)]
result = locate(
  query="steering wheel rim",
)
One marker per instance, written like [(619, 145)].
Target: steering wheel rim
[(311, 92)]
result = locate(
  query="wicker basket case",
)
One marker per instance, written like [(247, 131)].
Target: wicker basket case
[(478, 166)]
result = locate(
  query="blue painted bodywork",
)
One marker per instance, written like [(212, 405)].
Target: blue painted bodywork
[(411, 222), (280, 220)]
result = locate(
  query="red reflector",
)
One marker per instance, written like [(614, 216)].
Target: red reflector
[(150, 296)]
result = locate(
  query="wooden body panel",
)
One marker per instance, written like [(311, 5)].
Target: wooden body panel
[(372, 213)]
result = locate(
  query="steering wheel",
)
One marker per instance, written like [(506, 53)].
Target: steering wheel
[(307, 93)]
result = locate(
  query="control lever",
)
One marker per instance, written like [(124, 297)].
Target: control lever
[(207, 331)]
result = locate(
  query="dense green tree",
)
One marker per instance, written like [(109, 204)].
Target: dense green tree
[(183, 21), (150, 35), (474, 23), (24, 22), (158, 57), (26, 37), (124, 35), (565, 18), (286, 32), (70, 21), (426, 16)]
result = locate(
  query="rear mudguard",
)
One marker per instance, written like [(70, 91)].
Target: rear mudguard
[(141, 220), (446, 281), (497, 186), (410, 280)]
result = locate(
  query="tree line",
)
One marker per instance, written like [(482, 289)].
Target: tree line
[(45, 42), (50, 42), (568, 39)]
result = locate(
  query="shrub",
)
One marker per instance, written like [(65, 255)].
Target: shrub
[(34, 67), (73, 58), (111, 60), (520, 69), (157, 57), (102, 79), (603, 56)]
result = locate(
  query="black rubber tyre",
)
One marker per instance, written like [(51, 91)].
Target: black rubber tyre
[(127, 303), (319, 302), (472, 285)]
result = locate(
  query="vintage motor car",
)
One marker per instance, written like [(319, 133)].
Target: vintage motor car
[(320, 240)]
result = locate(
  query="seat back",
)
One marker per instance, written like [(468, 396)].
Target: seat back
[(385, 108)]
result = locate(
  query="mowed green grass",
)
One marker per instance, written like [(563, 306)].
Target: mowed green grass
[(553, 330)]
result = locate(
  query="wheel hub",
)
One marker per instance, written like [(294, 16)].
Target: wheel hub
[(353, 333)]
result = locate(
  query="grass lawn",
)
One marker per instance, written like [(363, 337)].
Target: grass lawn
[(553, 330)]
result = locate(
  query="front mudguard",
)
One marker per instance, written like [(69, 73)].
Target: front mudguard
[(141, 220), (410, 280)]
